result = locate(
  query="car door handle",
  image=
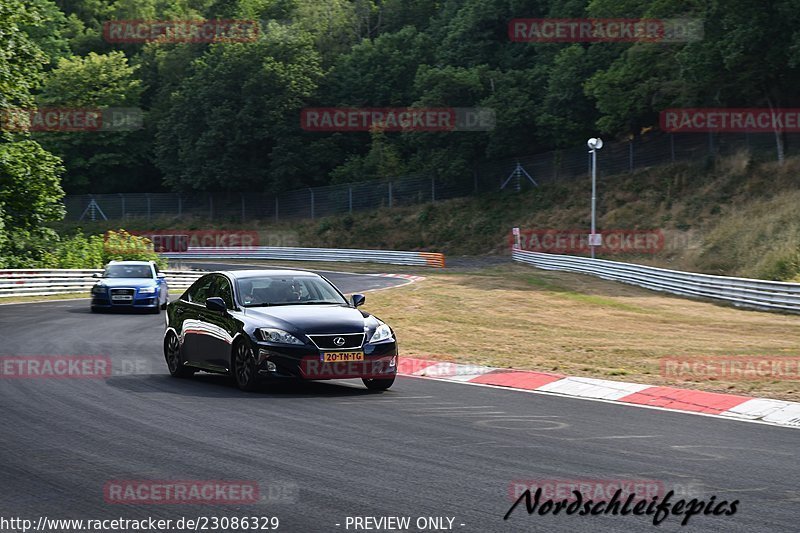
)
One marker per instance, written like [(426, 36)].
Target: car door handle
[(179, 311)]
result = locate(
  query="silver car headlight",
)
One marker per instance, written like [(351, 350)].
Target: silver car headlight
[(147, 290), (278, 336), (382, 333)]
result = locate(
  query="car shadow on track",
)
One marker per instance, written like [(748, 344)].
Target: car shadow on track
[(110, 312), (218, 386)]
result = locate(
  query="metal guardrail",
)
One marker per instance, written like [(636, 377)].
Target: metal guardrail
[(313, 254), (740, 292), (46, 282)]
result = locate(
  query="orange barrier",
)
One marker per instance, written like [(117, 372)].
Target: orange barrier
[(433, 259)]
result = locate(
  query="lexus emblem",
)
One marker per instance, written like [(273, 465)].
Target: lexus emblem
[(339, 341)]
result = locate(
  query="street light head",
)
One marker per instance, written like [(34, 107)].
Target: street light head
[(595, 143)]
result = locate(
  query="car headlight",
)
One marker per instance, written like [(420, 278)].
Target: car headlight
[(147, 290), (382, 333), (98, 289), (278, 336)]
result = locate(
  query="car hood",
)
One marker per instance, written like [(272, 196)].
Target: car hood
[(127, 282), (309, 318)]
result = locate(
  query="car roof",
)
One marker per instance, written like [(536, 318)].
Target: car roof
[(143, 263), (255, 273)]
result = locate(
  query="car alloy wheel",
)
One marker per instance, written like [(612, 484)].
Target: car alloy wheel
[(172, 353), (244, 367)]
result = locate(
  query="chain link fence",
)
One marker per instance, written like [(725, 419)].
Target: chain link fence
[(550, 167)]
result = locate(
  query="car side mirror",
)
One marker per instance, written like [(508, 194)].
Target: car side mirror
[(216, 304), (358, 300), (161, 275), (97, 275)]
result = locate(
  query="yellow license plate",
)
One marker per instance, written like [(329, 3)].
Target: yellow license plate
[(342, 357)]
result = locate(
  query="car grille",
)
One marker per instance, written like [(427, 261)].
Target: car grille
[(123, 296), (327, 342)]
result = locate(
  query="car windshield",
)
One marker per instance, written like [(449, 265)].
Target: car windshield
[(287, 290), (128, 271)]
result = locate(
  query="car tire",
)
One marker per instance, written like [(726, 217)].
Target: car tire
[(172, 355), (377, 384), (243, 367)]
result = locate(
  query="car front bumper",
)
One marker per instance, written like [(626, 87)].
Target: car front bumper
[(304, 362), (144, 301)]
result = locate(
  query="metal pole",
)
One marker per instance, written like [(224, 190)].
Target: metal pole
[(672, 146), (312, 203), (210, 206), (350, 199), (390, 194), (630, 157), (276, 208), (594, 194), (433, 189)]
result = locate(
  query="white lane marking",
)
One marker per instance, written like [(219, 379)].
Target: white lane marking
[(457, 407), (473, 444), (531, 421), (461, 414), (594, 388), (386, 400), (757, 408), (454, 371), (710, 455), (613, 437)]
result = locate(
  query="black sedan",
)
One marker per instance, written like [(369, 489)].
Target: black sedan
[(259, 325)]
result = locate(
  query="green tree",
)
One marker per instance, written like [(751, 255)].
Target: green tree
[(229, 113), (30, 197), (29, 189), (98, 161)]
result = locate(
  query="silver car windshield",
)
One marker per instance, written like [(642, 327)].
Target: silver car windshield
[(286, 290)]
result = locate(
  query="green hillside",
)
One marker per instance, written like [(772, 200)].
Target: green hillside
[(737, 217)]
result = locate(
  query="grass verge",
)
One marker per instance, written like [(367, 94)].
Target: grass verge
[(516, 316)]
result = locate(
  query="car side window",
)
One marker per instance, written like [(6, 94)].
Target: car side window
[(201, 289), (224, 291)]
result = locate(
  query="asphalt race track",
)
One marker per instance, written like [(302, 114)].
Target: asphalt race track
[(322, 452)]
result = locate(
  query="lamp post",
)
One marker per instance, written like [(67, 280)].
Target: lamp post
[(594, 145)]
